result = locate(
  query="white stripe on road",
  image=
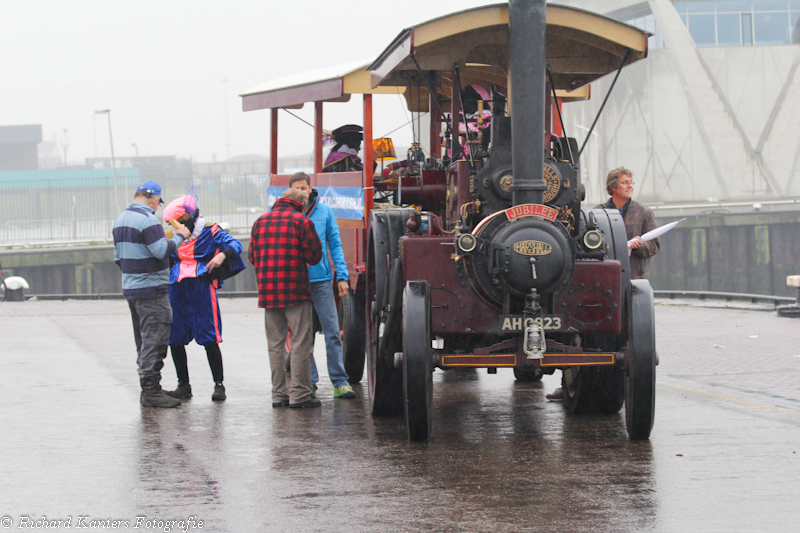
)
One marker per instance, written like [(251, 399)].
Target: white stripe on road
[(732, 399)]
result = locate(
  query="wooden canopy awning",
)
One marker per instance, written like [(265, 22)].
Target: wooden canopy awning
[(581, 47), (331, 84)]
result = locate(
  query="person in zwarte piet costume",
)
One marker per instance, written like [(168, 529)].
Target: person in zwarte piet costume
[(199, 266), (344, 154)]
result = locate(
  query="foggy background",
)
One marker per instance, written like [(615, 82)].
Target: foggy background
[(170, 72)]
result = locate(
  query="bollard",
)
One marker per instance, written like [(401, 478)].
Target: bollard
[(793, 310), (15, 285)]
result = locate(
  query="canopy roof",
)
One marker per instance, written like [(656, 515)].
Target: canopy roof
[(330, 84), (581, 47)]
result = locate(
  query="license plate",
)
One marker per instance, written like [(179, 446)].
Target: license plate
[(514, 323)]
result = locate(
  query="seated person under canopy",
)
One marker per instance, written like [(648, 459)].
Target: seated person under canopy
[(344, 155)]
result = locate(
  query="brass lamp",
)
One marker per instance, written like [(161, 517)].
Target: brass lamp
[(383, 150)]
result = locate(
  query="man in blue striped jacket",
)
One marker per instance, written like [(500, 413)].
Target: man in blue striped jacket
[(142, 251)]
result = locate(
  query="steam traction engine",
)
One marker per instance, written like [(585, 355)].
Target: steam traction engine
[(501, 266)]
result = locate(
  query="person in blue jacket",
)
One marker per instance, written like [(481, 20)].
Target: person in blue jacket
[(321, 277), (198, 267)]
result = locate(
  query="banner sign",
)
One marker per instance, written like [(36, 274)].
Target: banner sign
[(345, 202)]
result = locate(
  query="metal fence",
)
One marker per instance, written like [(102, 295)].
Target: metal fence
[(84, 209)]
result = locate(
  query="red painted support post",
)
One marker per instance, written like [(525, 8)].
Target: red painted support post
[(369, 184), (435, 130), (318, 137), (557, 131), (273, 142)]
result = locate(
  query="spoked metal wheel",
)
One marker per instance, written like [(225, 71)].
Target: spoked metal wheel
[(351, 323), (640, 373), (593, 390), (596, 389), (417, 360), (385, 381)]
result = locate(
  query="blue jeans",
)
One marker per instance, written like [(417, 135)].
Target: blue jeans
[(325, 306)]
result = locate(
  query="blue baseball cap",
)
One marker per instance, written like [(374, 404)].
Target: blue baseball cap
[(151, 187)]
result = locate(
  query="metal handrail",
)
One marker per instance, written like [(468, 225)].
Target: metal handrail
[(727, 296), (119, 296), (700, 295)]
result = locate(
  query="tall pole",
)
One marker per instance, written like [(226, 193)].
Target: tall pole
[(227, 137), (317, 137), (113, 159), (273, 142), (65, 145), (369, 179), (526, 42), (113, 162)]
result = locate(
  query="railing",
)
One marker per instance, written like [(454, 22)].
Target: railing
[(39, 211), (725, 296)]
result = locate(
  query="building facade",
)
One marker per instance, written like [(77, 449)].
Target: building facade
[(710, 116)]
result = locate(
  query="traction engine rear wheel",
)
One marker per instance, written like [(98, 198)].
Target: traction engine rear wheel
[(417, 360), (640, 375), (385, 381), (593, 390), (351, 323)]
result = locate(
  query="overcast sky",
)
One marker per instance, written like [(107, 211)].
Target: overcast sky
[(159, 66)]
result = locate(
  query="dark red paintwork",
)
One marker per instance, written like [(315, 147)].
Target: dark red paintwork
[(591, 303), (455, 307)]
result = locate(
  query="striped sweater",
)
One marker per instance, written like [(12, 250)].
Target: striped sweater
[(142, 252)]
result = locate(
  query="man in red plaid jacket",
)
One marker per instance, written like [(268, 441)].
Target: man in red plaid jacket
[(282, 245)]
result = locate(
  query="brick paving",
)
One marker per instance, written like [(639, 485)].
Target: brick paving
[(80, 444), (749, 354)]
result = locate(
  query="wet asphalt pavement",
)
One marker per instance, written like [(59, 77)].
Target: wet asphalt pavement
[(74, 441)]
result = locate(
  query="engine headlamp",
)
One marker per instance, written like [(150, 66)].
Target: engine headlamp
[(467, 242), (593, 239)]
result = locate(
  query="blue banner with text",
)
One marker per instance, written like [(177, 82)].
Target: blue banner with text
[(345, 202)]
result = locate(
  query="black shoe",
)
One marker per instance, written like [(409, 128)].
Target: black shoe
[(153, 396), (284, 403), (313, 402), (182, 391), (219, 392)]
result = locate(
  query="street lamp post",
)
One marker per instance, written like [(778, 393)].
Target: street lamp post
[(65, 145), (225, 100), (113, 160), (135, 148)]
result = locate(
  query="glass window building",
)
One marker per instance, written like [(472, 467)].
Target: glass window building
[(710, 115), (741, 22)]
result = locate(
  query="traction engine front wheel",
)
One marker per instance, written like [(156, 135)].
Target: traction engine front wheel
[(417, 360), (640, 374)]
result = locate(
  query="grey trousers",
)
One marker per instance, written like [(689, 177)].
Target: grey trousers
[(151, 319), (277, 322)]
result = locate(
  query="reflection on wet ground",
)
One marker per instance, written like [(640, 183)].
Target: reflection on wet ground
[(502, 458)]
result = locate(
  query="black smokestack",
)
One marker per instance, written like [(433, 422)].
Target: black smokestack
[(527, 20)]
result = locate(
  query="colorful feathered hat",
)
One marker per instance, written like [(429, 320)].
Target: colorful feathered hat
[(182, 205)]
